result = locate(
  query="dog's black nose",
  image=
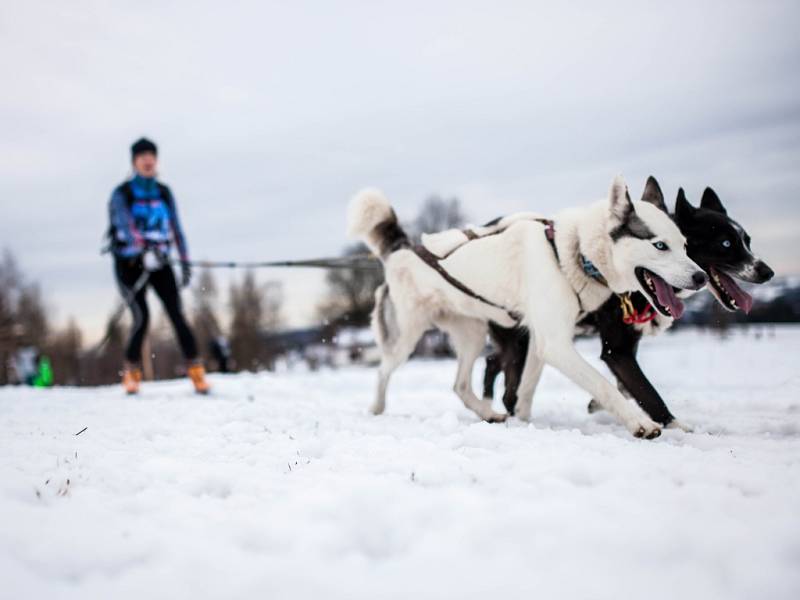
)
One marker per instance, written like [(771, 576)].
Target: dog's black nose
[(764, 272), (699, 279)]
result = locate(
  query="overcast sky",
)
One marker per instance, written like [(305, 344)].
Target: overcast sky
[(269, 116)]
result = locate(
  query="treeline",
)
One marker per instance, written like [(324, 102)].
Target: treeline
[(775, 302), (24, 322), (26, 329)]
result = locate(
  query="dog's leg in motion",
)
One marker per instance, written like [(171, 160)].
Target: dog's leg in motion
[(530, 371), (594, 405), (534, 365), (512, 348), (394, 353), (494, 365), (620, 347), (514, 366), (468, 337), (563, 356)]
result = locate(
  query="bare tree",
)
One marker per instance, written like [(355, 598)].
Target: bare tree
[(273, 305), (253, 307), (205, 322), (351, 292), (437, 214), (9, 287), (64, 350), (23, 318), (31, 316)]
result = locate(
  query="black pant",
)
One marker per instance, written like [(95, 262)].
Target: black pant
[(128, 272)]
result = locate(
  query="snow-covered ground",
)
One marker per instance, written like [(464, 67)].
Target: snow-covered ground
[(281, 486)]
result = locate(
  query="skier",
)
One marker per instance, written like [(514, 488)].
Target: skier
[(144, 224)]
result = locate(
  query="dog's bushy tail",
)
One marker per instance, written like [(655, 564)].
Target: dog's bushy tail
[(371, 219)]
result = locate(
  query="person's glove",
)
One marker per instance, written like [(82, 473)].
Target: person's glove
[(186, 273)]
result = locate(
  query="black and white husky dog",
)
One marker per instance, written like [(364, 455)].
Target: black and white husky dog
[(717, 243), (531, 274)]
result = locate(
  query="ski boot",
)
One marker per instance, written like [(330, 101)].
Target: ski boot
[(131, 378), (197, 374)]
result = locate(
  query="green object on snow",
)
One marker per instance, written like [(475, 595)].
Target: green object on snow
[(44, 376)]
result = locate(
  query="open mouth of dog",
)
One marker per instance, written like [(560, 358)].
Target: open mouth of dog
[(728, 292), (661, 294)]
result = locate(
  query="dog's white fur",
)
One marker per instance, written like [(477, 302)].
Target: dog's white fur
[(517, 270)]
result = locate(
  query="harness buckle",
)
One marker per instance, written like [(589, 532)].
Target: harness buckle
[(632, 316), (628, 311)]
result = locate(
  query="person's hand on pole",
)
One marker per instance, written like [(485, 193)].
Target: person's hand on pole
[(186, 273)]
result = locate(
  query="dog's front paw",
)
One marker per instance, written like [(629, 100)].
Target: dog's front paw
[(377, 408), (522, 411), (675, 424), (496, 418), (645, 428), (486, 413)]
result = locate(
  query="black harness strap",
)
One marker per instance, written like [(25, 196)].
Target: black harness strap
[(433, 261), (550, 234), (631, 311), (430, 259)]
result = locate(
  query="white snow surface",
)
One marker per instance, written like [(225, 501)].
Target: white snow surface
[(282, 486)]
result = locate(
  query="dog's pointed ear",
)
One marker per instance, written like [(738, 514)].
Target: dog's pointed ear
[(683, 209), (653, 195), (619, 202), (710, 201)]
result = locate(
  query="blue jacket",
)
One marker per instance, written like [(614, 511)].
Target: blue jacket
[(142, 212)]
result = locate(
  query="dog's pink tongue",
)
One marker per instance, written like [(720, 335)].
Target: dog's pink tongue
[(667, 297), (743, 300)]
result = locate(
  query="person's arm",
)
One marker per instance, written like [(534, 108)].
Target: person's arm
[(180, 239), (125, 230), (175, 223)]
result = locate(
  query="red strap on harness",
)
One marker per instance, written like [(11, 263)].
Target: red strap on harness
[(639, 318)]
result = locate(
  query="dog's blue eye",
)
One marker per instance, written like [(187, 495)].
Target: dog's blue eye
[(661, 246), (726, 243)]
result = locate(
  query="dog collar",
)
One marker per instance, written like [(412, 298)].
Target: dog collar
[(591, 271), (630, 316)]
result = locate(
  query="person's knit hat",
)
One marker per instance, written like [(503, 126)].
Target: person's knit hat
[(141, 146)]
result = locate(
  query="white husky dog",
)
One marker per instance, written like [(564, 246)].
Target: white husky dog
[(516, 277)]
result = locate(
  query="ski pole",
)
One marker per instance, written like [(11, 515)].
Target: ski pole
[(130, 297)]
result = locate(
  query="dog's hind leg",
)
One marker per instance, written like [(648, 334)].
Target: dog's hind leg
[(561, 353), (529, 372), (509, 357), (468, 337), (394, 354), (514, 366), (494, 365)]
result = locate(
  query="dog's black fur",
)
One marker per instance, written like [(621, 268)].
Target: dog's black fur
[(705, 229)]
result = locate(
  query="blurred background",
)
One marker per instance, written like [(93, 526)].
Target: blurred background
[(270, 115)]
